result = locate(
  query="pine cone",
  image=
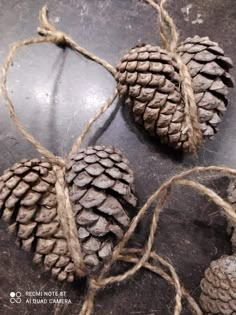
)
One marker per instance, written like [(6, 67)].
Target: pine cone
[(219, 287), (231, 196), (100, 186), (148, 78)]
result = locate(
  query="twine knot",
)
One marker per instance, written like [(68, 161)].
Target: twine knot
[(60, 38), (57, 37), (94, 284)]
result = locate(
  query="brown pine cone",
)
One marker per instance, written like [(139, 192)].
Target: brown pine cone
[(231, 196), (219, 287), (101, 190), (28, 203), (149, 80)]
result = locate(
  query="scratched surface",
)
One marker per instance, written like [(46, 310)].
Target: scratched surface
[(56, 91)]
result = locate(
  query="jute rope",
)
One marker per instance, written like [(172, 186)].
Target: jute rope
[(140, 258)]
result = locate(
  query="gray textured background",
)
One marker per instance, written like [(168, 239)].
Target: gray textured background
[(56, 91)]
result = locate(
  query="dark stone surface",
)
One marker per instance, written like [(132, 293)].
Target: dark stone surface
[(56, 91)]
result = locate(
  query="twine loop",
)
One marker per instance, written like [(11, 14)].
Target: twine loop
[(170, 37), (66, 216), (140, 258), (193, 128)]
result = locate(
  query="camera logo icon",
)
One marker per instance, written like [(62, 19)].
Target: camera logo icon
[(15, 297)]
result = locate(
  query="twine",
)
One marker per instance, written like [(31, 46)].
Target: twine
[(140, 258)]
